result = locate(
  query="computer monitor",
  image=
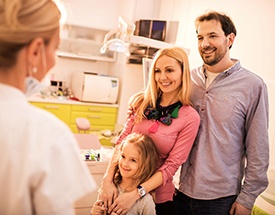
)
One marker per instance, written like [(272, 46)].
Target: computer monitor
[(154, 29)]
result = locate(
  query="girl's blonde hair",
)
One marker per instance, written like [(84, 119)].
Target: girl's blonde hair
[(149, 157), (140, 101), (23, 20)]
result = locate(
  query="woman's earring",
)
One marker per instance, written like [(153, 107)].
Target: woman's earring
[(34, 69)]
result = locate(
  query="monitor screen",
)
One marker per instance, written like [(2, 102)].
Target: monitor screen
[(154, 29), (158, 30)]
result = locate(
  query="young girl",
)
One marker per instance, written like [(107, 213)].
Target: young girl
[(136, 163)]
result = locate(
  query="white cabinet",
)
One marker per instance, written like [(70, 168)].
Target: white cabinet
[(97, 170), (83, 43), (86, 23), (101, 14)]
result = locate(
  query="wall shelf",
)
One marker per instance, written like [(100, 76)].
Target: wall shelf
[(85, 56), (83, 43)]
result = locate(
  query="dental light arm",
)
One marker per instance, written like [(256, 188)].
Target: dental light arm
[(124, 36)]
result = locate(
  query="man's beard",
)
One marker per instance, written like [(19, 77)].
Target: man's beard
[(218, 55)]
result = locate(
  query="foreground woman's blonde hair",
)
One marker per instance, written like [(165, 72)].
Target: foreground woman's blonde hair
[(23, 20)]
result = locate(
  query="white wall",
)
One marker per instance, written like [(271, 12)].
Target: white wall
[(92, 13), (65, 67), (254, 43)]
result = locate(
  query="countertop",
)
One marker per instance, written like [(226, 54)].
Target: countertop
[(63, 100)]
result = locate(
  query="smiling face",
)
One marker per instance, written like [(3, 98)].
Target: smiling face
[(213, 45), (129, 161), (168, 75)]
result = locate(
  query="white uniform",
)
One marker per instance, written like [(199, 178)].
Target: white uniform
[(41, 171)]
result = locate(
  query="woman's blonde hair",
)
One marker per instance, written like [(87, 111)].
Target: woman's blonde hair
[(149, 157), (140, 101), (23, 20)]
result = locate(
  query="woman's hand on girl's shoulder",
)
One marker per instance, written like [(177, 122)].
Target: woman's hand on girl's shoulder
[(124, 202), (98, 208), (107, 193)]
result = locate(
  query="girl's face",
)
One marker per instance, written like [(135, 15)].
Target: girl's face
[(129, 161), (168, 74)]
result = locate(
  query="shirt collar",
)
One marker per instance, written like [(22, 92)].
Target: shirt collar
[(227, 72)]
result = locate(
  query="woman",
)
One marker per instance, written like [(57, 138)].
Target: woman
[(40, 167), (164, 113)]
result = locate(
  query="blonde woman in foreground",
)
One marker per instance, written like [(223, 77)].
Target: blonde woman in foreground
[(40, 167)]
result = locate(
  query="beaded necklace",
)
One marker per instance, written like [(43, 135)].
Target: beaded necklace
[(162, 114)]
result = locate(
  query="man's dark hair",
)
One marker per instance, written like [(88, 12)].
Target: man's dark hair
[(227, 24)]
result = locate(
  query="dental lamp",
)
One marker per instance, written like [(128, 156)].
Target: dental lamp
[(124, 37)]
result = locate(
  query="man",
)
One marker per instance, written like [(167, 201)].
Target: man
[(226, 169)]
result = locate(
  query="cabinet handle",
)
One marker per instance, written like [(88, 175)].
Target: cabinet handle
[(51, 107), (95, 109), (95, 129), (94, 117)]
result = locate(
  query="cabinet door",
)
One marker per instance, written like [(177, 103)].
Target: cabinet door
[(95, 118), (94, 109), (97, 170), (62, 111), (100, 117)]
